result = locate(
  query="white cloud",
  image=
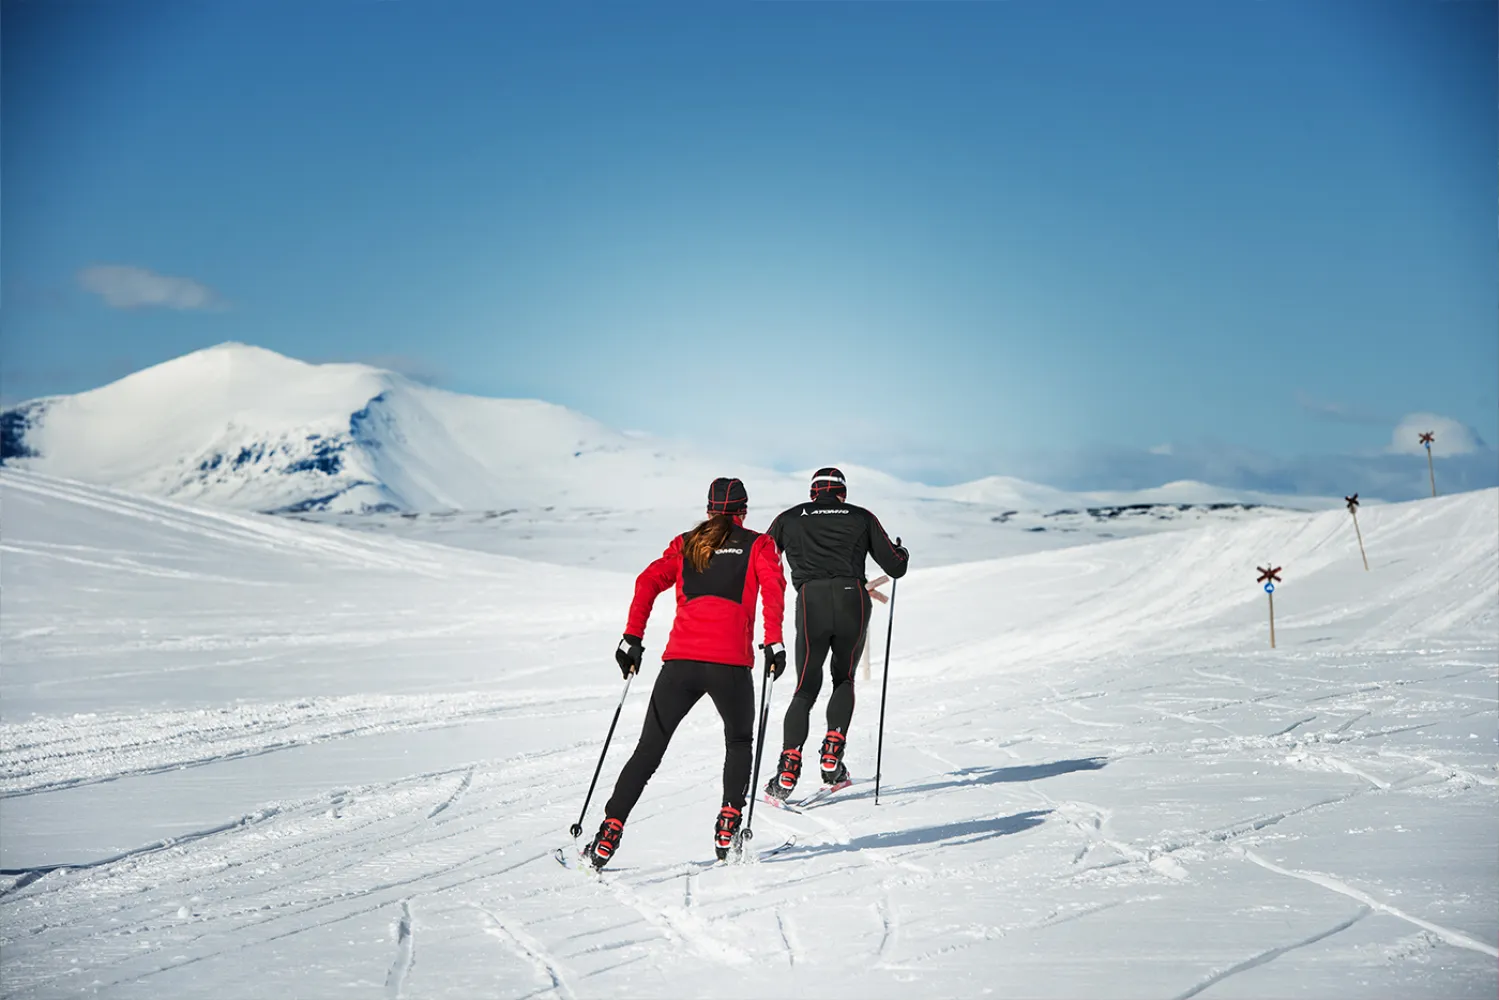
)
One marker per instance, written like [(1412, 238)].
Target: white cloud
[(1161, 449), (1452, 437), (125, 287)]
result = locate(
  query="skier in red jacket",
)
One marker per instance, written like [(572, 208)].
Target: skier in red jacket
[(717, 569)]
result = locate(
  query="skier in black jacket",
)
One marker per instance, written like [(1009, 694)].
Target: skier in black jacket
[(826, 541)]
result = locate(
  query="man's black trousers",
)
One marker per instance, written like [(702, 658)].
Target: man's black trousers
[(832, 617)]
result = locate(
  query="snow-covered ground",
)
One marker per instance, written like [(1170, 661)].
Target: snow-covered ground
[(285, 759), (938, 531)]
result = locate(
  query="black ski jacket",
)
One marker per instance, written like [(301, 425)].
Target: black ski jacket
[(826, 539)]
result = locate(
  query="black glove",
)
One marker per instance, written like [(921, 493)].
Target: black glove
[(629, 655), (900, 550), (775, 658)]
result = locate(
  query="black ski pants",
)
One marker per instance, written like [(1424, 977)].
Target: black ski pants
[(832, 616), (678, 687)]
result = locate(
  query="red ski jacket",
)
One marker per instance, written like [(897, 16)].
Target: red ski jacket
[(715, 608)]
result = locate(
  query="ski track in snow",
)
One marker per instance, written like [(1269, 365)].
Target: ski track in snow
[(1293, 726), (315, 877), (529, 948), (37, 757), (1272, 954), (1057, 777), (217, 948), (400, 968), (1452, 937), (783, 925), (468, 777), (889, 926)]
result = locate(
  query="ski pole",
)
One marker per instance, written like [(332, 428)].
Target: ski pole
[(765, 686), (577, 828), (879, 754)]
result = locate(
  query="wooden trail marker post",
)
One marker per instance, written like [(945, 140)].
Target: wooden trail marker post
[(1353, 509), (1427, 439), (872, 586), (1268, 576)]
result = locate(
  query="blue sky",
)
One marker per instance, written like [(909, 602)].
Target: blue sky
[(1088, 243)]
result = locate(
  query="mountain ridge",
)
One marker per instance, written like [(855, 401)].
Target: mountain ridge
[(245, 428)]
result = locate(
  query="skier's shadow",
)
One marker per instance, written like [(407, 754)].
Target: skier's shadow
[(950, 834), (970, 776)]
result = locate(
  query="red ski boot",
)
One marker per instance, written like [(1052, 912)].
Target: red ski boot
[(726, 831), (834, 774), (605, 844), (778, 789)]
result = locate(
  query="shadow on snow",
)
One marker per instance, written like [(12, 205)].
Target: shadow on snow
[(970, 776), (953, 834)]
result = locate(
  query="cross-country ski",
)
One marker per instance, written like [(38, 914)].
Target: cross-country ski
[(823, 794), (575, 859)]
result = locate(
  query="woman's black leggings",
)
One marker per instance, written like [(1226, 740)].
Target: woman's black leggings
[(831, 619), (678, 687)]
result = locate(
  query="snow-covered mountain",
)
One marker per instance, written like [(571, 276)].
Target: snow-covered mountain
[(248, 429), (244, 428)]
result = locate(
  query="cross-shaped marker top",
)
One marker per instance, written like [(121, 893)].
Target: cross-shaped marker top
[(1352, 501), (1428, 437), (1268, 574)]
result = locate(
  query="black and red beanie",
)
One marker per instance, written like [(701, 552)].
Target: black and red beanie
[(828, 481), (727, 496)]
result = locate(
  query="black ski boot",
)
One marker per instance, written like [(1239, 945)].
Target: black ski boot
[(605, 844), (790, 769), (833, 771), (726, 831)]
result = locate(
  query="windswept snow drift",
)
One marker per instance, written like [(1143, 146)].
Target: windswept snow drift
[(287, 759)]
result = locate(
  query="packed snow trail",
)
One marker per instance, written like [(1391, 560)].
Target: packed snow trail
[(283, 759)]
